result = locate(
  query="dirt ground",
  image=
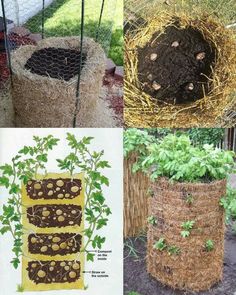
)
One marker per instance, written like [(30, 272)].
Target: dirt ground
[(174, 66), (136, 278)]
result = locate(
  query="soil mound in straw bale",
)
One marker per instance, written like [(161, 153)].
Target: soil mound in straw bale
[(58, 63), (175, 66), (185, 262), (148, 110)]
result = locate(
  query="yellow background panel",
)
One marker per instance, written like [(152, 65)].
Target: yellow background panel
[(28, 228)]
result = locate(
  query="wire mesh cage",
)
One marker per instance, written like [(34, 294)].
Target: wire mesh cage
[(55, 54)]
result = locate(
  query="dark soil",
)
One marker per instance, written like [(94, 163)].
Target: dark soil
[(137, 279), (54, 244), (56, 63), (61, 188), (54, 215), (179, 70), (48, 272)]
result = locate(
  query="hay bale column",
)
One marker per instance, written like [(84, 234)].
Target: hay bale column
[(135, 198), (194, 268), (47, 98)]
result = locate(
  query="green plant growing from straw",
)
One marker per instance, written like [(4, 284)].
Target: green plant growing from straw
[(160, 244), (152, 220), (176, 158), (173, 250), (209, 245), (187, 226)]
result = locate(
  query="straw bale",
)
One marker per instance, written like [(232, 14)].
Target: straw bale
[(6, 107), (41, 101), (194, 268), (135, 198), (142, 110)]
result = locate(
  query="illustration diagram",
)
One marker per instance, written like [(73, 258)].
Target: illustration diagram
[(54, 218)]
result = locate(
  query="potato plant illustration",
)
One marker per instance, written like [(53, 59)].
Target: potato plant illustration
[(96, 211), (23, 167), (21, 178)]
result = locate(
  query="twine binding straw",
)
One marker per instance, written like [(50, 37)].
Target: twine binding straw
[(194, 268), (135, 199)]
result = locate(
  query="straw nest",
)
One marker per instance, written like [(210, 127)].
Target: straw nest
[(194, 268), (41, 101), (135, 199), (142, 110)]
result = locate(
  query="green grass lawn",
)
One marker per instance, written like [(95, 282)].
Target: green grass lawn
[(225, 10), (62, 18)]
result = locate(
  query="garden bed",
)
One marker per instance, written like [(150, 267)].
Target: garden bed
[(137, 279)]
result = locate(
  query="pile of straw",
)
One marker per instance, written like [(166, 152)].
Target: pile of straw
[(135, 198), (194, 268), (142, 110), (6, 107), (41, 101)]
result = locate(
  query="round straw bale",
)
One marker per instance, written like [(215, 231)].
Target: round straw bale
[(143, 110), (194, 267), (42, 101)]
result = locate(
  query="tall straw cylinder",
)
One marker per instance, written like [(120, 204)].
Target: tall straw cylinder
[(43, 101), (135, 199), (194, 267)]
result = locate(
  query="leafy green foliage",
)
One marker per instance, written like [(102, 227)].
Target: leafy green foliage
[(160, 244), (152, 220), (133, 293), (201, 136), (173, 250), (176, 158), (24, 166), (137, 141), (229, 203), (187, 227), (209, 245), (91, 163)]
